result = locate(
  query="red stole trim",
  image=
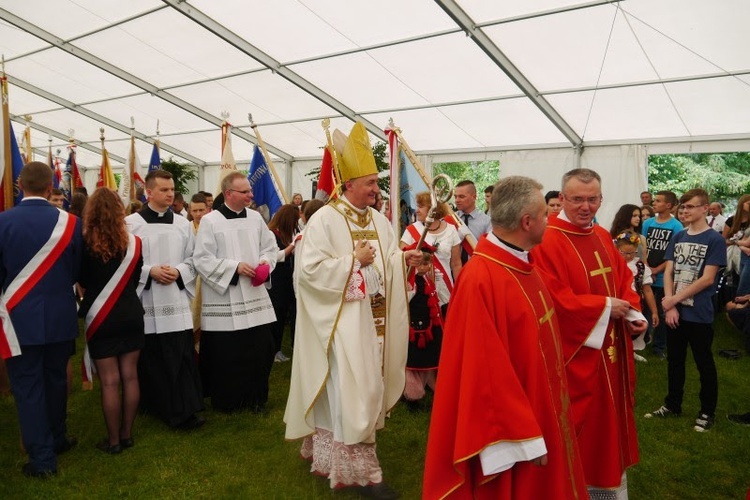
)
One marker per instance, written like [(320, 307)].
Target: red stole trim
[(435, 261), (101, 309), (29, 276)]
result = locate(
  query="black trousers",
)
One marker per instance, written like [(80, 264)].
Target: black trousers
[(699, 336)]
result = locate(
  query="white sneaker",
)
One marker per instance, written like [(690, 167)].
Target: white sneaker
[(640, 358), (280, 358)]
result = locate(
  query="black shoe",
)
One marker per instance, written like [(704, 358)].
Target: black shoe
[(743, 419), (379, 491), (126, 443), (67, 445), (28, 470), (192, 423), (112, 449)]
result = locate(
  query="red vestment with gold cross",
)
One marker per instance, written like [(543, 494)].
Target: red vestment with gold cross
[(501, 381), (583, 268)]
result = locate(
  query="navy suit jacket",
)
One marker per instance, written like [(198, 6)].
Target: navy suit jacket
[(48, 312)]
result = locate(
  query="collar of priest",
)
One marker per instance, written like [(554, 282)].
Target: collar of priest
[(231, 214)]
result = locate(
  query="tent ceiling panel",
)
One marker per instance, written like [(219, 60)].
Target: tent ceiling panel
[(16, 42), (156, 54), (304, 139), (207, 145), (267, 96), (85, 129), (443, 69), (633, 113), (718, 99), (333, 25), (146, 110), (70, 18), (442, 133), (67, 76), (483, 11), (24, 102)]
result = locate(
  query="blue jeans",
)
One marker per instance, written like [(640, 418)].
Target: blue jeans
[(743, 286), (660, 332)]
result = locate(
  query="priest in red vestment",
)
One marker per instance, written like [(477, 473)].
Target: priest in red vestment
[(501, 422), (598, 311)]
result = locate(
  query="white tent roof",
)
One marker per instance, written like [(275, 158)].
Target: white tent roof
[(456, 75)]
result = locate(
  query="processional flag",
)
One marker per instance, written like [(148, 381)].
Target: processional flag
[(264, 189), (326, 182), (155, 161), (10, 156)]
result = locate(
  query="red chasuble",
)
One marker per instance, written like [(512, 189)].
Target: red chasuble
[(501, 379), (584, 267)]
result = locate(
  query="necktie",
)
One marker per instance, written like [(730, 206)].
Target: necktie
[(464, 254), (711, 224)]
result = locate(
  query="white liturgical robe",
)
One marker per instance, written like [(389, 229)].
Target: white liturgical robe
[(167, 307), (221, 244)]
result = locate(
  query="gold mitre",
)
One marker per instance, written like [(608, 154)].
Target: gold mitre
[(354, 153)]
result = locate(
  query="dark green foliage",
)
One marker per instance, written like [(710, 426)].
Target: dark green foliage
[(725, 176), (182, 173)]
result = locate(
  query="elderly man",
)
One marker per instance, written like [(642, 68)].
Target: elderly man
[(501, 421), (234, 254), (715, 218), (40, 256), (349, 361), (598, 311)]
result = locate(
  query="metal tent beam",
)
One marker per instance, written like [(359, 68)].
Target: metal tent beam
[(504, 63), (101, 119), (244, 46), (128, 77)]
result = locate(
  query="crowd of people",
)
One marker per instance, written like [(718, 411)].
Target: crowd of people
[(524, 320)]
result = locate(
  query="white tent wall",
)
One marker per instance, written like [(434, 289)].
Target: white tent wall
[(622, 168)]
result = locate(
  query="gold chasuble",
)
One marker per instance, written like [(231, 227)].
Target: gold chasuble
[(582, 268), (502, 391)]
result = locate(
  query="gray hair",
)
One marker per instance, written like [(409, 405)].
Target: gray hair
[(585, 175), (512, 198)]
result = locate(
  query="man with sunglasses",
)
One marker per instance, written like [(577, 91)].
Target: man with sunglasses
[(598, 311)]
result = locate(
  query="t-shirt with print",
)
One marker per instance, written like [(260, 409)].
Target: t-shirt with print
[(658, 235), (690, 254)]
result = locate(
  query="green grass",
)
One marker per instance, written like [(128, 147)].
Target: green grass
[(245, 455)]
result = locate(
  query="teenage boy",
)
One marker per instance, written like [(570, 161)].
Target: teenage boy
[(658, 231), (692, 260)]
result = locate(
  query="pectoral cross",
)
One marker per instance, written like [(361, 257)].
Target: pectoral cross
[(602, 271), (547, 312)]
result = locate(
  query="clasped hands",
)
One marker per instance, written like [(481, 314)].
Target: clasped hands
[(164, 275), (619, 309)]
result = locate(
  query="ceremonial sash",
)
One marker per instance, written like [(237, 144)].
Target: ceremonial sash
[(29, 276), (104, 302), (435, 261), (466, 244)]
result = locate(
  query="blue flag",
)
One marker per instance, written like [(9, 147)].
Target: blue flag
[(155, 161), (261, 182), (411, 182), (17, 162)]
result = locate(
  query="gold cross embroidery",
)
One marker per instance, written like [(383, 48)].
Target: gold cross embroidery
[(602, 271), (547, 312)]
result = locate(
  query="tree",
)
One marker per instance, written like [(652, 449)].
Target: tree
[(182, 173), (724, 176)]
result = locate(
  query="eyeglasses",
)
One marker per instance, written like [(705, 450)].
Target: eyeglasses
[(686, 206), (627, 254), (579, 200), (245, 192)]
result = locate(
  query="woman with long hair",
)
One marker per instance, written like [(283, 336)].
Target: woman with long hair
[(283, 224), (110, 272), (736, 233), (628, 218)]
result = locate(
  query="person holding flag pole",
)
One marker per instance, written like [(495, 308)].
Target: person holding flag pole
[(397, 142)]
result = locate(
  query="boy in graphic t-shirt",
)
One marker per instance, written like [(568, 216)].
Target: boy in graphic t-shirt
[(692, 260), (658, 231)]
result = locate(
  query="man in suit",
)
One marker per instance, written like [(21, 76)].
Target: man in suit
[(40, 252)]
